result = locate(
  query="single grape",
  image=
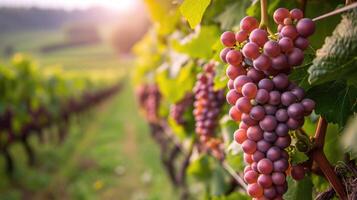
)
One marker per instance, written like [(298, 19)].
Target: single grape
[(296, 14), (288, 21), (271, 48), (263, 146), (251, 50), (283, 142), (234, 57), (249, 23), (233, 72), (281, 189), (251, 177), (282, 129), (270, 192), (295, 57), (305, 27), (299, 93), (248, 120), (230, 84), (296, 111), (289, 31), (281, 81), (268, 123), (243, 105), (223, 54), (266, 84), (281, 165), (257, 113), (247, 168), (240, 136), (243, 125), (240, 81), (257, 156), (270, 109), (265, 180), (288, 98), (265, 166), (297, 172), (274, 153), (248, 158), (249, 90), (254, 133), (278, 178), (242, 36), (255, 75), (262, 96), (281, 115), (280, 62), (235, 114), (255, 190), (308, 105), (228, 39), (232, 97), (269, 136), (258, 36), (280, 26), (293, 123), (249, 146), (286, 44), (280, 14), (274, 98), (262, 62), (301, 43)]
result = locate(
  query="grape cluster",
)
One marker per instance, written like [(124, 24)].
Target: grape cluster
[(207, 106), (267, 104), (177, 110), (149, 99)]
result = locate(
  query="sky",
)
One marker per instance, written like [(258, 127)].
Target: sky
[(72, 4)]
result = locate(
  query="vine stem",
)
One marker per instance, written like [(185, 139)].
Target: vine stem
[(234, 174), (319, 157), (264, 20), (335, 12)]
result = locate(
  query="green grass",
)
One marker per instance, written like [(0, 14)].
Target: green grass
[(110, 156)]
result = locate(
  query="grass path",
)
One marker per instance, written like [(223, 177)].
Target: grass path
[(111, 156)]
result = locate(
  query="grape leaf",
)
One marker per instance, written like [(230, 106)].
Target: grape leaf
[(299, 189), (336, 101), (193, 10), (332, 147), (298, 157), (337, 58), (198, 45), (232, 14), (200, 168)]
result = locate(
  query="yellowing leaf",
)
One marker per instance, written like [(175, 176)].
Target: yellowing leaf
[(193, 10)]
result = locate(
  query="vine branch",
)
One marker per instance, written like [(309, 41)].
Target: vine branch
[(335, 12)]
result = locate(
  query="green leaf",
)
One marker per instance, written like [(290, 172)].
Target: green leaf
[(199, 45), (332, 147), (298, 157), (349, 139), (232, 14), (299, 75), (193, 10), (337, 58), (218, 184), (299, 189), (220, 80), (233, 196), (336, 101), (200, 168)]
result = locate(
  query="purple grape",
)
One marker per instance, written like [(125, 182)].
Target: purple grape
[(296, 14), (295, 57), (266, 84), (232, 97), (296, 111), (283, 142), (234, 57), (301, 43), (240, 81), (308, 105), (305, 27), (274, 153), (281, 189), (265, 166), (254, 133), (288, 98), (280, 14), (281, 81), (251, 50), (257, 113), (248, 24), (270, 109), (281, 165), (293, 123), (263, 146), (223, 54), (270, 136), (278, 178), (257, 156), (228, 39), (299, 93), (282, 129), (281, 115), (286, 44), (289, 31), (249, 146), (265, 180), (297, 172), (280, 62), (268, 123), (272, 49), (262, 96), (270, 192), (242, 36), (251, 177), (248, 120), (230, 84), (262, 62), (258, 36), (255, 75), (274, 98)]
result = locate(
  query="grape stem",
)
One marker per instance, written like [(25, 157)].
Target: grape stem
[(234, 174), (264, 20), (335, 12), (319, 157)]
